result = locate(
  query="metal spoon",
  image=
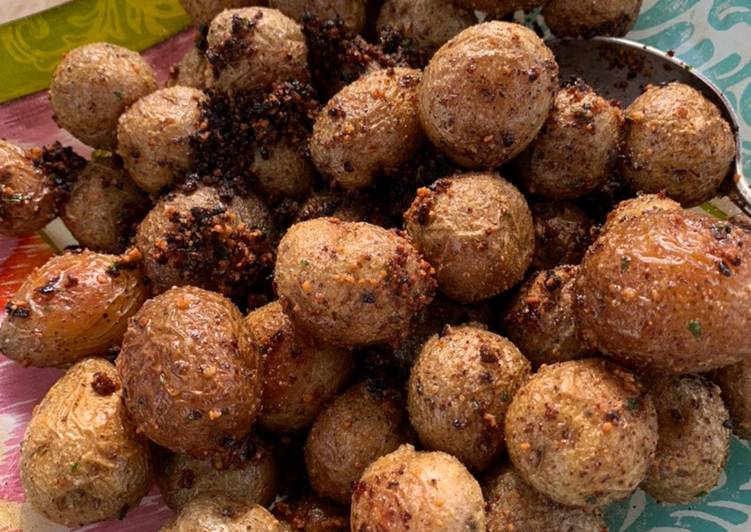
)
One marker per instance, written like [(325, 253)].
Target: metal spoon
[(620, 69)]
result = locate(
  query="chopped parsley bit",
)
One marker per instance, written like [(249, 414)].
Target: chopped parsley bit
[(694, 326), (505, 396), (101, 154), (625, 263), (118, 94), (74, 467), (304, 263), (634, 404)]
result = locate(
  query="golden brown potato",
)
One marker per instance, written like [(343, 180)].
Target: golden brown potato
[(312, 514), (735, 382), (635, 207), (512, 504), (694, 437), (498, 8), (576, 150), (104, 207), (333, 204), (562, 234), (216, 513), (203, 11), (588, 19), (476, 230), (677, 141), (198, 239), (154, 135), (93, 85), (487, 92), (350, 12), (370, 125), (668, 291), (361, 425), (190, 71), (251, 476), (541, 320), (300, 374), (283, 170), (582, 432), (279, 52), (351, 283), (81, 458), (27, 201), (75, 305), (459, 390), (192, 380), (426, 24), (407, 490)]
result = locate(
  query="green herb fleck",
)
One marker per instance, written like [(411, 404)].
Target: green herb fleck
[(304, 263), (694, 326), (625, 263), (118, 94), (634, 404), (101, 154), (505, 396), (74, 467)]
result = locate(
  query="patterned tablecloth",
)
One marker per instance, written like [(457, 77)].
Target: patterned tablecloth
[(712, 35)]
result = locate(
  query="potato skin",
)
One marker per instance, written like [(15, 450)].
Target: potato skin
[(476, 229), (189, 71), (635, 207), (582, 432), (300, 374), (283, 170), (312, 514), (427, 24), (104, 206), (459, 390), (408, 490), (350, 283), (499, 8), (735, 383), (351, 12), (251, 477), (668, 291), (332, 204), (370, 124), (279, 50), (577, 147), (27, 202), (541, 320), (694, 438), (75, 305), (153, 136), (81, 458), (93, 85), (191, 378), (203, 11), (216, 513), (486, 93), (562, 234), (359, 426), (677, 141), (512, 504), (587, 19)]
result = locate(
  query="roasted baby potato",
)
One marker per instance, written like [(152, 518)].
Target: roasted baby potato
[(217, 513), (635, 207), (498, 8), (312, 514), (190, 70), (587, 19), (350, 12), (562, 234)]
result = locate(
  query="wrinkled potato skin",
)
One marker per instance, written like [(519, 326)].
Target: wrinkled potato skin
[(476, 230), (587, 19), (93, 85), (407, 490), (103, 207), (351, 283), (512, 504), (351, 12), (77, 307), (459, 390), (542, 318), (203, 11), (486, 93), (81, 459), (18, 175), (677, 141), (693, 444), (216, 513), (735, 382), (190, 71), (154, 136), (370, 124), (283, 170), (427, 24), (576, 150), (562, 234), (635, 207), (278, 44), (312, 514), (300, 374), (574, 458), (668, 291), (252, 480), (185, 358), (355, 429)]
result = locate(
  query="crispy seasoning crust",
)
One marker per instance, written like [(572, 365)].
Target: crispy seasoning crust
[(191, 379), (75, 305), (582, 432), (563, 232), (668, 291), (350, 12), (81, 459)]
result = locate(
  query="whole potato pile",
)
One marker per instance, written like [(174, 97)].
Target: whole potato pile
[(305, 286)]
